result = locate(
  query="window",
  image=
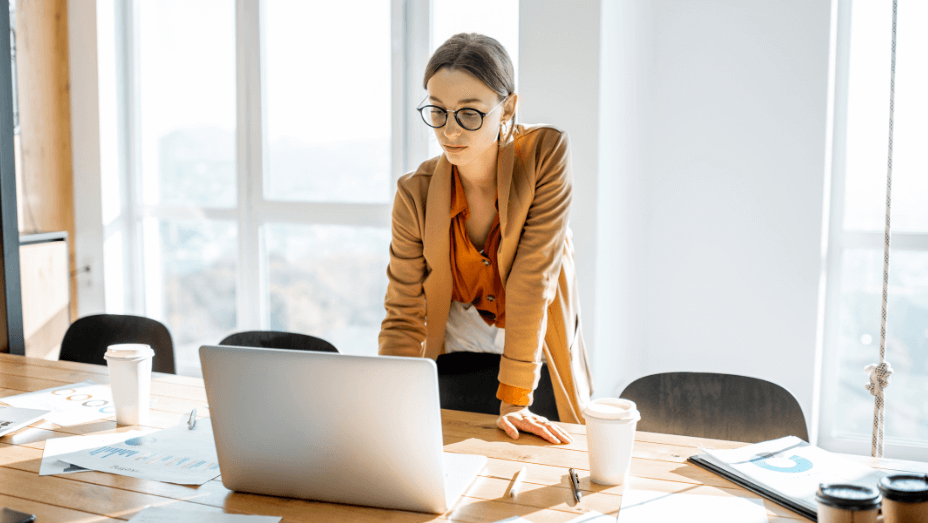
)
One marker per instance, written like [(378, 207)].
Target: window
[(252, 152), (858, 218)]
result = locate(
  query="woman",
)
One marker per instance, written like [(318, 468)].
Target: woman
[(481, 257)]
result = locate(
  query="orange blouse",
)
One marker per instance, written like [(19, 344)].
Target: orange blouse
[(475, 276)]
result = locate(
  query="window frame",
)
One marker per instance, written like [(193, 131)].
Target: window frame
[(410, 26), (840, 240)]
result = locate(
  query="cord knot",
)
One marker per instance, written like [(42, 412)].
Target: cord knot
[(879, 377)]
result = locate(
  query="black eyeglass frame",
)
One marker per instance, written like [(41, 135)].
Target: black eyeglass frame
[(482, 114)]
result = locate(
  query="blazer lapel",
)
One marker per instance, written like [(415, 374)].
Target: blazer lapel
[(437, 242)]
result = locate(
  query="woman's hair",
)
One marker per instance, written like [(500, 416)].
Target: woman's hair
[(481, 56)]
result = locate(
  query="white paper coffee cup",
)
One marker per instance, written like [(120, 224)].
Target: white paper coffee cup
[(130, 379), (610, 433)]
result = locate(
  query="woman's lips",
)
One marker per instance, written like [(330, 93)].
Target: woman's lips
[(454, 148)]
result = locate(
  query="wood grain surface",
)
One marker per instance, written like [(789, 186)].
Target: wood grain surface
[(658, 463)]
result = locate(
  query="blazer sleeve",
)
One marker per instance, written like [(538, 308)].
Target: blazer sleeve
[(532, 282), (402, 332)]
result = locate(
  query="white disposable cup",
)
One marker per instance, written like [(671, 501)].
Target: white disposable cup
[(130, 379), (610, 435)]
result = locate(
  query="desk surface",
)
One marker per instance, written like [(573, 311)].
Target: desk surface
[(659, 463)]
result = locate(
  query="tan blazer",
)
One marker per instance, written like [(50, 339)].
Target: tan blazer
[(536, 263)]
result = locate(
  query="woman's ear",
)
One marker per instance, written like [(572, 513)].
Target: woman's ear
[(510, 106)]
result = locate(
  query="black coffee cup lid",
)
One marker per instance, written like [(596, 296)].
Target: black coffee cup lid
[(848, 497), (907, 488)]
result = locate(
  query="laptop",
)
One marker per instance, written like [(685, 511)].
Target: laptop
[(361, 430)]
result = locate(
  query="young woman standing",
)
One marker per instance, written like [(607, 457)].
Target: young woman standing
[(481, 258)]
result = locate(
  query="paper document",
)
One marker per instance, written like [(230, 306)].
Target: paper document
[(589, 517), (69, 404), (173, 515), (174, 455), (55, 447), (792, 468), (13, 418), (645, 506)]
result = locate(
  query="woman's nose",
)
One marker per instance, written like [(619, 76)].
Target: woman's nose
[(452, 128)]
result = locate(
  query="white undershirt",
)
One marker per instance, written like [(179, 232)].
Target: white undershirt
[(466, 331)]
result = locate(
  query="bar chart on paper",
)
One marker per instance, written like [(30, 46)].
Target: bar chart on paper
[(175, 455)]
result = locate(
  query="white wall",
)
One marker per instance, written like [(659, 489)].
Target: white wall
[(707, 189)]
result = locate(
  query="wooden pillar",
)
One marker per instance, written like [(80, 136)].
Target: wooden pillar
[(46, 189)]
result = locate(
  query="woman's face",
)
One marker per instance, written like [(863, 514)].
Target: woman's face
[(453, 90)]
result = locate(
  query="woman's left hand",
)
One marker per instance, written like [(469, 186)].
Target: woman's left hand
[(513, 418)]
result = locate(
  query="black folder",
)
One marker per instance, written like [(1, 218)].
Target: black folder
[(769, 494)]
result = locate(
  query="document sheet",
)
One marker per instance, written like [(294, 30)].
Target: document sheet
[(169, 515), (792, 468), (55, 447), (174, 455), (644, 506), (69, 404)]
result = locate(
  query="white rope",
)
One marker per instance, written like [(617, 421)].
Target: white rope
[(880, 374)]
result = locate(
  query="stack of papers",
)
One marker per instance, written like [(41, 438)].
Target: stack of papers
[(13, 419), (787, 470)]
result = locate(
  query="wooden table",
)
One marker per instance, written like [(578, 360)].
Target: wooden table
[(659, 464)]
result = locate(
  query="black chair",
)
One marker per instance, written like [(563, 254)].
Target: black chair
[(468, 381), (717, 406), (278, 340), (87, 338)]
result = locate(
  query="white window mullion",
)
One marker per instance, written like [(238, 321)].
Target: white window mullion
[(130, 148), (415, 37), (249, 158)]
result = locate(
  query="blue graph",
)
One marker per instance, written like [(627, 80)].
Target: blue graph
[(110, 451), (142, 440), (800, 464)]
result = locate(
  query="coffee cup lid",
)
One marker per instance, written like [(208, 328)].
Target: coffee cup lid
[(129, 350), (907, 488), (612, 409), (848, 497)]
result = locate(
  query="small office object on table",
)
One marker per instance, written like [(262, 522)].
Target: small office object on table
[(659, 464)]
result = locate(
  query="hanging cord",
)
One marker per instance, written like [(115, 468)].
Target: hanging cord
[(880, 374)]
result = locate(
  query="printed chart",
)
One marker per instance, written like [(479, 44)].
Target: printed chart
[(175, 455)]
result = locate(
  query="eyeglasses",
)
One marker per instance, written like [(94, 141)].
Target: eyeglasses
[(469, 119)]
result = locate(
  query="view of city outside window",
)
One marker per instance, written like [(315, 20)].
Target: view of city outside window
[(498, 19), (328, 281), (328, 82), (327, 67), (861, 282), (187, 139)]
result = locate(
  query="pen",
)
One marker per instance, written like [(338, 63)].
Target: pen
[(192, 422), (575, 484), (517, 482)]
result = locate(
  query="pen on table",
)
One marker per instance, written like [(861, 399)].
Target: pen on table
[(575, 484), (517, 482), (192, 422)]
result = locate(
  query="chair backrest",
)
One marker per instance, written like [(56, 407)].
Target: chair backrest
[(278, 340), (718, 406), (87, 338), (468, 381)]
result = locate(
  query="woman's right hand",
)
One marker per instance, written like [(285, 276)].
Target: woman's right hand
[(513, 418)]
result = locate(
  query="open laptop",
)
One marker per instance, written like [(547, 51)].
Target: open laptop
[(363, 430)]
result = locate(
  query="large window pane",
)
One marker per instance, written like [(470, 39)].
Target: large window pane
[(190, 283), (187, 101), (328, 100), (328, 281), (906, 413), (868, 118)]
